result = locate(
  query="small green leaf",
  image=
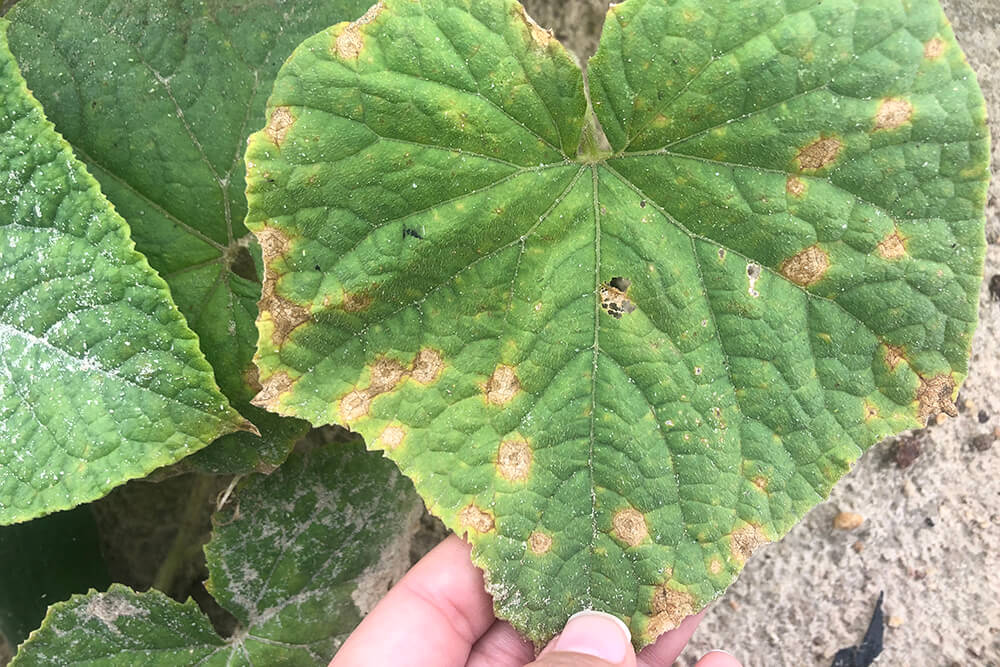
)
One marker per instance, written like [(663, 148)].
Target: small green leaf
[(297, 556), (101, 380), (621, 361), (157, 98)]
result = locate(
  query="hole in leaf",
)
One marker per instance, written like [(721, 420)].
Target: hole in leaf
[(241, 263), (614, 299), (620, 284)]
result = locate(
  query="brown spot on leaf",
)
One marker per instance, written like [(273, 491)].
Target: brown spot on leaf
[(427, 366), (539, 543), (715, 566), (392, 437), (934, 48), (807, 266), (892, 113), (744, 541), (891, 247), (386, 374), (669, 608), (629, 526), (514, 459), (285, 315), (614, 297), (355, 405), (871, 411), (476, 519), (893, 355), (273, 243), (349, 42), (539, 35), (934, 396), (272, 389), (819, 153), (502, 386), (761, 482), (355, 301), (279, 124), (796, 187)]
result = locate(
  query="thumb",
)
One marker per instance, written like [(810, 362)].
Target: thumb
[(590, 639)]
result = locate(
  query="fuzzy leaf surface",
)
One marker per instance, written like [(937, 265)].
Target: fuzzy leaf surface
[(101, 380), (297, 556), (157, 98), (621, 362)]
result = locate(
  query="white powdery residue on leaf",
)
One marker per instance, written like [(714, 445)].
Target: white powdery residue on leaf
[(109, 607)]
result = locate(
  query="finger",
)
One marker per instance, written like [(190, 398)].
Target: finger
[(718, 658), (590, 639), (501, 646), (431, 618), (670, 644)]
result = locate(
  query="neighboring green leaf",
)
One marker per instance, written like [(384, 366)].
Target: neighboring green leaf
[(621, 369), (157, 98), (297, 556), (44, 561), (101, 380)]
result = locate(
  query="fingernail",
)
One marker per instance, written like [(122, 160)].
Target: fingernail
[(598, 634)]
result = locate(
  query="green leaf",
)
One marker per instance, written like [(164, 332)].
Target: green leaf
[(621, 368), (297, 556), (157, 97), (101, 380), (44, 561)]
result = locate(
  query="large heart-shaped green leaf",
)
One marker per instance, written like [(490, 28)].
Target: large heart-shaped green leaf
[(621, 367), (101, 380), (297, 556), (157, 97)]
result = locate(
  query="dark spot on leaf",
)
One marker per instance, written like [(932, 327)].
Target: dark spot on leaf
[(411, 232), (642, 203), (316, 267)]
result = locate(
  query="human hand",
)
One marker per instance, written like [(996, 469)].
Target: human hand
[(439, 615)]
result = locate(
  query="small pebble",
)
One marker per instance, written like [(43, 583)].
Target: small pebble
[(969, 405), (895, 621), (858, 546), (941, 418), (847, 521), (982, 442), (983, 416)]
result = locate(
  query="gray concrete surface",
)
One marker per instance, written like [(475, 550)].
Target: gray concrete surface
[(801, 599)]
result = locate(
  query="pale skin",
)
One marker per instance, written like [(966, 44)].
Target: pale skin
[(439, 615)]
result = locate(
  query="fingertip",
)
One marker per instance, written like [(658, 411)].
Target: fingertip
[(718, 658)]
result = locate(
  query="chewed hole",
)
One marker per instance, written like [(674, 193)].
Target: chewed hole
[(620, 284)]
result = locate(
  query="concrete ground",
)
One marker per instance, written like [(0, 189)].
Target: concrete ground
[(931, 532)]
